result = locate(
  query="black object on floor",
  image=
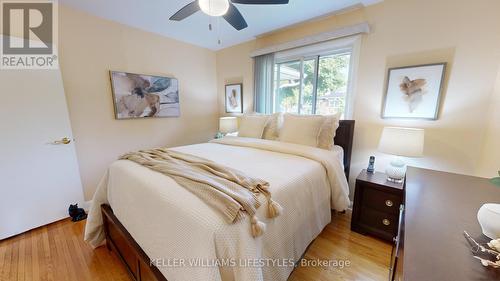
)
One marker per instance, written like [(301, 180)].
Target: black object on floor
[(76, 214)]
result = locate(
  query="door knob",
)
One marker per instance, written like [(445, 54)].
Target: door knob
[(64, 140)]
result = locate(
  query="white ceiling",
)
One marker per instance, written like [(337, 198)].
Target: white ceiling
[(153, 16)]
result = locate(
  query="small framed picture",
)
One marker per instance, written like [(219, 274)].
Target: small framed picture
[(414, 91), (234, 98)]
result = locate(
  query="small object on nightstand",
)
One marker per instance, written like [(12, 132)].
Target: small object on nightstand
[(371, 165), (377, 204)]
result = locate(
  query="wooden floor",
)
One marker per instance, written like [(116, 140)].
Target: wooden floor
[(57, 252), (369, 257)]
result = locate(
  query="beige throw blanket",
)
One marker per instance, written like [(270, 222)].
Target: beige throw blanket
[(227, 190)]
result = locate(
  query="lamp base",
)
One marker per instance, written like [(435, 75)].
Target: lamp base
[(396, 171), (389, 179)]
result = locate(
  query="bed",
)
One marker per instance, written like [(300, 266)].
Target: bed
[(168, 233)]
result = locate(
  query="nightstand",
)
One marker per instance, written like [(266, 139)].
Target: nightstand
[(376, 205)]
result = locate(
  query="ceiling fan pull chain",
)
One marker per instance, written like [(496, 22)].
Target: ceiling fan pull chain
[(210, 23), (218, 31)]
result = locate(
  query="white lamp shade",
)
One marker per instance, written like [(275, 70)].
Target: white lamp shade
[(214, 8), (228, 125), (407, 142)]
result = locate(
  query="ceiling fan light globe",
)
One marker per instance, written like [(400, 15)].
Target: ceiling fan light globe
[(214, 8)]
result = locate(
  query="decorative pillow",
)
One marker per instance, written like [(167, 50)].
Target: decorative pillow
[(252, 126), (327, 131), (271, 131), (301, 129)]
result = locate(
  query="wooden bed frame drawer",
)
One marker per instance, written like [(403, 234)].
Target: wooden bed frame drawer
[(119, 240), (147, 272), (124, 249)]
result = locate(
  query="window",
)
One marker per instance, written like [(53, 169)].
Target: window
[(314, 79)]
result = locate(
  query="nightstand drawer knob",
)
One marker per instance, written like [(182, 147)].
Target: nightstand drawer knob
[(386, 222), (389, 203)]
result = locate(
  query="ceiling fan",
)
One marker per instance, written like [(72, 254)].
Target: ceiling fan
[(224, 8)]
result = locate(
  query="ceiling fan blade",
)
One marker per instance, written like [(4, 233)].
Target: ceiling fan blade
[(186, 11), (261, 2), (234, 18)]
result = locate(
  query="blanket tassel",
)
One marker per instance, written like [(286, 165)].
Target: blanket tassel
[(274, 209), (258, 227)]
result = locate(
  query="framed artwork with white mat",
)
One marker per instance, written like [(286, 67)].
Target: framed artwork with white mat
[(414, 91), (234, 98)]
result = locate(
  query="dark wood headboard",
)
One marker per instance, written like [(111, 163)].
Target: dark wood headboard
[(344, 137)]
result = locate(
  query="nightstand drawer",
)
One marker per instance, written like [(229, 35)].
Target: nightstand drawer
[(382, 201), (380, 221)]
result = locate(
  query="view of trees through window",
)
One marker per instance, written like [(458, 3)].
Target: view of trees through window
[(316, 85)]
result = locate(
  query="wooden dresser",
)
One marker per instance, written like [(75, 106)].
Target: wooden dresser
[(438, 207)]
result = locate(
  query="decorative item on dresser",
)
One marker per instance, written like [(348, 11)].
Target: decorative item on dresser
[(376, 205), (496, 181), (489, 215), (407, 142), (489, 219)]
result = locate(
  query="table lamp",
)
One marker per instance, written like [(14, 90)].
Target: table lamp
[(227, 125), (408, 142)]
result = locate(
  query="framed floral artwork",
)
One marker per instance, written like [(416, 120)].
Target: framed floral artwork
[(144, 96)]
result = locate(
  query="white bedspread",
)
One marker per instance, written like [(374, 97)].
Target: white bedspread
[(176, 227)]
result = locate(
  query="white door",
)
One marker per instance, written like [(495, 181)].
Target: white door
[(39, 174)]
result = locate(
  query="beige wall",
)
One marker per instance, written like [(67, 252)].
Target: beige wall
[(463, 33), (235, 66), (89, 48), (489, 163)]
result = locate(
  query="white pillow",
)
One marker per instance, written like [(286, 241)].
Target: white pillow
[(327, 131), (301, 129), (271, 131), (252, 126)]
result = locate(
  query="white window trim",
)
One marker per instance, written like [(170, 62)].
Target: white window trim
[(350, 44)]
